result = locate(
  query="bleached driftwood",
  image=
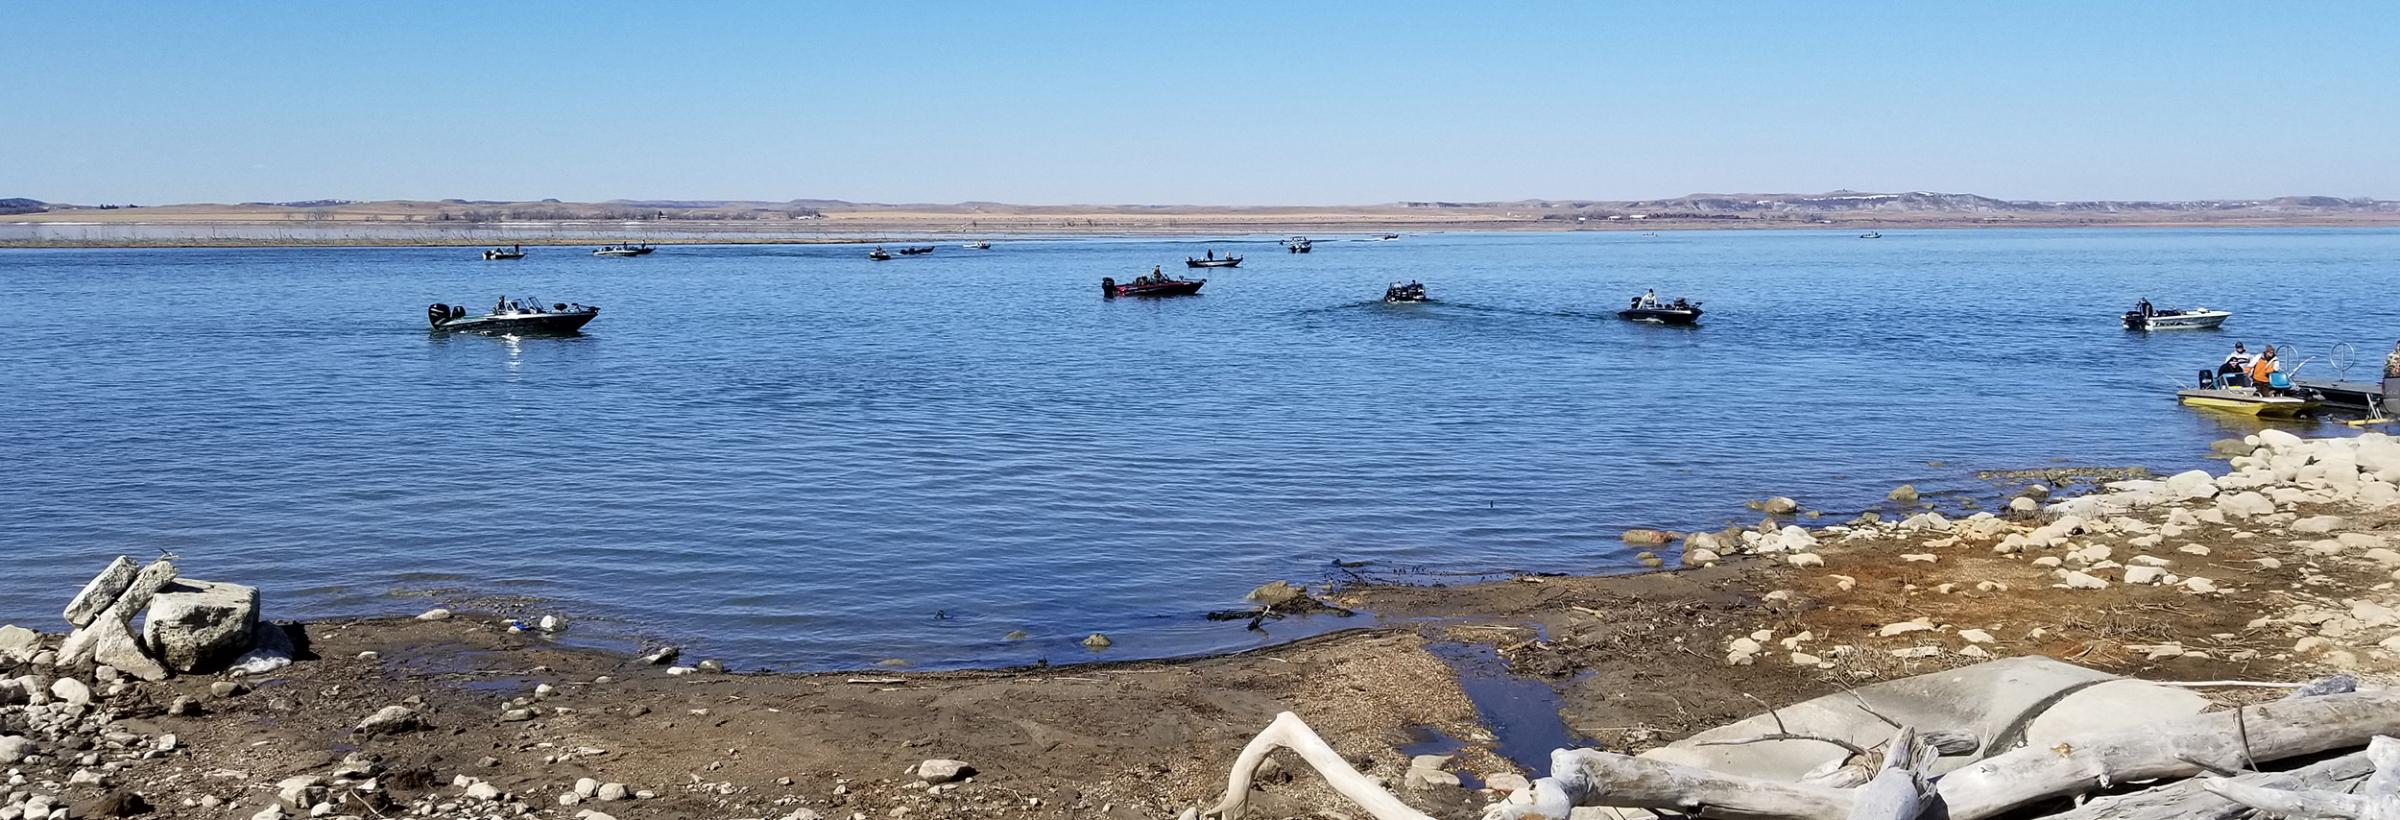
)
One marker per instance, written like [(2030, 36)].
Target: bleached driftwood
[(1898, 792), (2377, 799), (2083, 763), (2186, 800), (1289, 732)]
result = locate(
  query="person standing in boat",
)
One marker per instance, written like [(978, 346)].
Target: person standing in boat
[(2235, 369), (2262, 372)]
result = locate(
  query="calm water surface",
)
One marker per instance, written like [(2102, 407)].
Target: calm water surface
[(794, 456)]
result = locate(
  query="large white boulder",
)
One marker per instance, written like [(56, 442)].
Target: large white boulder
[(2191, 484), (2244, 505), (2280, 441), (196, 625)]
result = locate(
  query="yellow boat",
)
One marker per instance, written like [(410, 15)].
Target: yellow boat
[(2245, 401)]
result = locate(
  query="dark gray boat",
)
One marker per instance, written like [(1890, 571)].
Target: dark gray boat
[(514, 318)]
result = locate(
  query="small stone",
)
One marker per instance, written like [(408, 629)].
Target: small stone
[(1804, 559), (1779, 505), (227, 689), (553, 623), (2143, 575), (613, 792), (1917, 652), (942, 770), (392, 720), (1975, 636), (1903, 494), (480, 790), (1904, 627), (1919, 557), (711, 666), (1646, 537), (435, 614), (1097, 641), (2023, 504), (2078, 580)]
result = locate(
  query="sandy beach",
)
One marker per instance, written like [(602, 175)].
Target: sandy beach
[(2269, 571)]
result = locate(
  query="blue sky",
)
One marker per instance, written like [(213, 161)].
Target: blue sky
[(1207, 103)]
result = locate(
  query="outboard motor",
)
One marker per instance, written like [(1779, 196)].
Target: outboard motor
[(1108, 287), (437, 313)]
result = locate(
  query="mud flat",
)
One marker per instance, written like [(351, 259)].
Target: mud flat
[(2280, 568)]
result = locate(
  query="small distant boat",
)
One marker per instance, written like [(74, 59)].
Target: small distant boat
[(1212, 260), (513, 317), (1298, 244), (1404, 293), (977, 246), (1870, 235), (1156, 284), (513, 252), (916, 251), (1389, 237), (878, 255), (2144, 316), (624, 250), (1647, 308)]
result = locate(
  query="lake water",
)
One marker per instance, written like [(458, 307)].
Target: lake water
[(797, 457)]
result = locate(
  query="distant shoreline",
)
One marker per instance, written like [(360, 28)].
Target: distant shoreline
[(896, 231)]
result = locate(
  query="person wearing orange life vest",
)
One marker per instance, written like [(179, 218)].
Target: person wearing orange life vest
[(2262, 370)]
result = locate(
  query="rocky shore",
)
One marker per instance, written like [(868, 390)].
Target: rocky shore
[(2279, 568)]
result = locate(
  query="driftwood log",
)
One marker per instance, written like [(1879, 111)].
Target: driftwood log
[(1288, 732), (2227, 741), (2377, 799), (2186, 800)]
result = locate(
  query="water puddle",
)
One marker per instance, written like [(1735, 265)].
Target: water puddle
[(1522, 713)]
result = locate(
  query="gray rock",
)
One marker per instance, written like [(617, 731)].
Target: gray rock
[(70, 690), (662, 656), (14, 749), (18, 642), (196, 625), (1098, 641), (1646, 537), (1903, 494), (392, 720), (587, 787), (101, 591), (1276, 593), (481, 790), (942, 770), (301, 792), (588, 814), (613, 792), (113, 644), (435, 614), (1779, 505)]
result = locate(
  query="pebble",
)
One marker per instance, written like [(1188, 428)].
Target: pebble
[(943, 770), (435, 614)]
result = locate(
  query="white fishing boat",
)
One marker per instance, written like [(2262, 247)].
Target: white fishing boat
[(2145, 316)]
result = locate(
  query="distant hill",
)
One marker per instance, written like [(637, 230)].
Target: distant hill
[(1920, 204), (823, 216)]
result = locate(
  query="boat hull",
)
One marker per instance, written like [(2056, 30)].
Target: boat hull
[(1232, 262), (532, 324), (2187, 320), (1663, 316), (2244, 404), (1112, 289), (619, 252)]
